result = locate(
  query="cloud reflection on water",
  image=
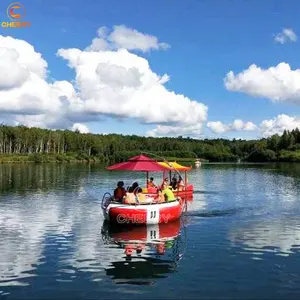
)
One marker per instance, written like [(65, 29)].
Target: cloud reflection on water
[(280, 235)]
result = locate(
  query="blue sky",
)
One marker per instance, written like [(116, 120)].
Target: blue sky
[(207, 40)]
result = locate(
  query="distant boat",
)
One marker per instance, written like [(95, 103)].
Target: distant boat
[(197, 162)]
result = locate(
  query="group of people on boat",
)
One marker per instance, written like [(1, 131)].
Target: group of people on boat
[(175, 185), (134, 193)]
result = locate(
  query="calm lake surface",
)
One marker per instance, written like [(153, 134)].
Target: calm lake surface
[(239, 239)]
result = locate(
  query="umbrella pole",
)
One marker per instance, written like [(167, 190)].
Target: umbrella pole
[(185, 183), (147, 176)]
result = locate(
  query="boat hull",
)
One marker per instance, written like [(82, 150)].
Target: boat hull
[(185, 194), (143, 213)]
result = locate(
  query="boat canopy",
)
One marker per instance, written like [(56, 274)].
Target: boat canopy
[(139, 163), (174, 165)]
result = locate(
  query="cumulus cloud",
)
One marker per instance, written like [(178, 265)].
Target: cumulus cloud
[(217, 127), (26, 55), (162, 130), (12, 73), (237, 125), (126, 38), (23, 86), (81, 128), (122, 84), (279, 83), (118, 76), (286, 35), (278, 124), (266, 128), (110, 81)]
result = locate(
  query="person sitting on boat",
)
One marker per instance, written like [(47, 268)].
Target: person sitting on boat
[(180, 184), (119, 192), (167, 193), (151, 183), (165, 181), (160, 197), (135, 186), (140, 196), (174, 183), (130, 197)]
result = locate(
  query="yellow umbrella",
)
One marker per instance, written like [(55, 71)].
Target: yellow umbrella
[(174, 165)]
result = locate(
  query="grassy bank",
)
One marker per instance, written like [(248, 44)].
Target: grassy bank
[(66, 157)]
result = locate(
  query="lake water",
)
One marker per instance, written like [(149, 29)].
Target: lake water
[(239, 239)]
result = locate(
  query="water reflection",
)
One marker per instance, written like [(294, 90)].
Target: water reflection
[(45, 227), (24, 178), (25, 228), (280, 235), (149, 253), (55, 241)]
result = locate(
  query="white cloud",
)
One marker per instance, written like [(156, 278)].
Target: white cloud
[(26, 55), (111, 82), (249, 126), (278, 124), (279, 83), (237, 125), (121, 84), (81, 128), (162, 130), (118, 76), (126, 38), (23, 86), (12, 73), (217, 127), (266, 128), (286, 35)]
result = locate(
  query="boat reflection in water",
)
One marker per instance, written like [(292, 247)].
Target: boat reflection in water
[(149, 252)]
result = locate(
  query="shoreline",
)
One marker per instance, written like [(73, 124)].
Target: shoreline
[(95, 161)]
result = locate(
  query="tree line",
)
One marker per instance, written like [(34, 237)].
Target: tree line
[(40, 144)]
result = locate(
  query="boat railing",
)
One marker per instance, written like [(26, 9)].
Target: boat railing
[(106, 199)]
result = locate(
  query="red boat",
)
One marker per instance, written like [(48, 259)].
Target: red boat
[(150, 211)]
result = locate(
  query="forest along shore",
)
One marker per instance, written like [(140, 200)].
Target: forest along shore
[(23, 144)]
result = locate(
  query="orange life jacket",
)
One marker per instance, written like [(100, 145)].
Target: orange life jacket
[(151, 184), (119, 193)]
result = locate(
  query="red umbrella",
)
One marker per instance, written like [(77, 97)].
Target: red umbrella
[(139, 163)]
